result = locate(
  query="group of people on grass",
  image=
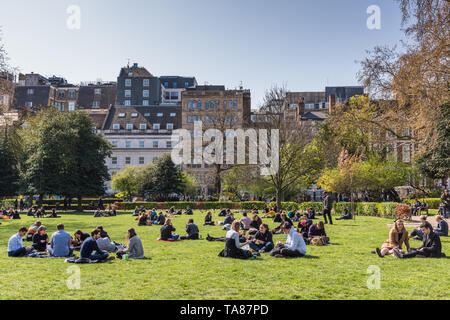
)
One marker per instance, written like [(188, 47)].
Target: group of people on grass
[(95, 246)]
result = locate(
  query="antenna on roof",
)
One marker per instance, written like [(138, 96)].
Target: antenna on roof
[(128, 64)]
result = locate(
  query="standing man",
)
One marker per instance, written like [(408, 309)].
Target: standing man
[(327, 206), (445, 201)]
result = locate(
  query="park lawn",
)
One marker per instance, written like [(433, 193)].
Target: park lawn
[(193, 270)]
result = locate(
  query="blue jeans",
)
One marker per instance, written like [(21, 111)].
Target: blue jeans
[(17, 253), (258, 247), (98, 256), (50, 251)]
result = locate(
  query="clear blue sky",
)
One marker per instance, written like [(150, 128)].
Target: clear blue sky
[(303, 44)]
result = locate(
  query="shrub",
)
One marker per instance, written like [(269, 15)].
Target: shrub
[(387, 209), (339, 207), (260, 205), (287, 206), (367, 209), (316, 206), (433, 203), (403, 211)]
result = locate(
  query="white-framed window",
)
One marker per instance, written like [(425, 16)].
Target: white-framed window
[(127, 82), (122, 115), (143, 126), (189, 120), (29, 104), (71, 105), (30, 92), (128, 144), (145, 103), (141, 160), (134, 115), (155, 144), (127, 160), (173, 114), (147, 114), (127, 103), (145, 93), (114, 160), (159, 115), (98, 91), (141, 144), (95, 104), (169, 144), (156, 126), (169, 126), (116, 126), (146, 82), (127, 93), (129, 126)]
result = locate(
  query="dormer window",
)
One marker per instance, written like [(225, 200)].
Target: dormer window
[(134, 115), (122, 115), (116, 126)]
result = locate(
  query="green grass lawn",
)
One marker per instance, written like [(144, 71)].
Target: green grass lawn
[(193, 270)]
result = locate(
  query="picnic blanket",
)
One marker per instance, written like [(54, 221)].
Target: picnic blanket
[(83, 260), (170, 240)]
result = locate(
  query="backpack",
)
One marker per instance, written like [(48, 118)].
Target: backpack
[(318, 241)]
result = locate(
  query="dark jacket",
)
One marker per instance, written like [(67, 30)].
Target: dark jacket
[(228, 220), (315, 232), (432, 246), (166, 232), (328, 202), (266, 237), (192, 229), (304, 229), (231, 251), (37, 244), (442, 228), (89, 245), (161, 219)]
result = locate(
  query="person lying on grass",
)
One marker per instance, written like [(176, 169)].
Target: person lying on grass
[(166, 231), (397, 237), (208, 219), (294, 246), (134, 247), (431, 248), (233, 246), (40, 239), (90, 245), (191, 230), (15, 246), (263, 240), (417, 234)]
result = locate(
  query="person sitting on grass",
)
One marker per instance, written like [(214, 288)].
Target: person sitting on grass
[(105, 244), (245, 222), (263, 241), (271, 214), (78, 238), (397, 236), (303, 227), (442, 227), (32, 230), (134, 247), (417, 234), (208, 219), (347, 215), (311, 213), (60, 243), (191, 230), (161, 219), (222, 213), (144, 220), (294, 247), (90, 245), (103, 233), (255, 224), (229, 219), (136, 212), (40, 239), (284, 218), (172, 210), (153, 215), (53, 214), (431, 248), (318, 231), (30, 212), (15, 246), (233, 246), (166, 231), (189, 212), (167, 214)]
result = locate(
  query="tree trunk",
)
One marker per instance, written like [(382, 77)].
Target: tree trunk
[(80, 203), (278, 195)]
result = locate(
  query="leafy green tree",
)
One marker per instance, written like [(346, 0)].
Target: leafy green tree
[(9, 173), (127, 181), (189, 184)]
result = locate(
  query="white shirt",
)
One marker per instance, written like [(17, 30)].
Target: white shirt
[(15, 243), (234, 235), (295, 241)]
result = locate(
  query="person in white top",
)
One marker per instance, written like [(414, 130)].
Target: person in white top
[(233, 233), (294, 247)]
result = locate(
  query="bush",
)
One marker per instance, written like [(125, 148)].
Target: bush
[(260, 205), (433, 203), (339, 207), (387, 209), (403, 211), (367, 209), (316, 206), (287, 206)]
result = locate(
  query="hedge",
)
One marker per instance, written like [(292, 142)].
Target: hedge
[(367, 208), (339, 207), (316, 206), (433, 203)]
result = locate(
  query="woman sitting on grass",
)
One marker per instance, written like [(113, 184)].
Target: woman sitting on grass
[(284, 218), (318, 231), (347, 215), (263, 241), (208, 219), (255, 224), (295, 245), (166, 231), (134, 246), (53, 214), (303, 226), (397, 236), (40, 239), (78, 238), (233, 245), (144, 220), (271, 214)]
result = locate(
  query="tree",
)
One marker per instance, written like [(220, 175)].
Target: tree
[(189, 184), (65, 156), (127, 180), (9, 172)]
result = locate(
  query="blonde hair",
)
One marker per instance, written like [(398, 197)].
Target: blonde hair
[(236, 226)]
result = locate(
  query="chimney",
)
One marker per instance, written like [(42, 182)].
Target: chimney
[(135, 65), (331, 103)]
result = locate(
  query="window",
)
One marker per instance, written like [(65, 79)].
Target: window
[(189, 120), (199, 105), (143, 126), (168, 144), (127, 82), (186, 84), (206, 119), (166, 84), (230, 104), (141, 144), (116, 126), (206, 105), (129, 126), (155, 144), (175, 84), (141, 160), (173, 114), (128, 144), (235, 104), (145, 103), (30, 92), (169, 126), (174, 95), (95, 104), (134, 115), (189, 105), (194, 105), (72, 94), (167, 95), (127, 103), (122, 115), (127, 93), (114, 160), (71, 105), (97, 91), (145, 93), (156, 126), (115, 144), (127, 160), (146, 83), (159, 115)]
